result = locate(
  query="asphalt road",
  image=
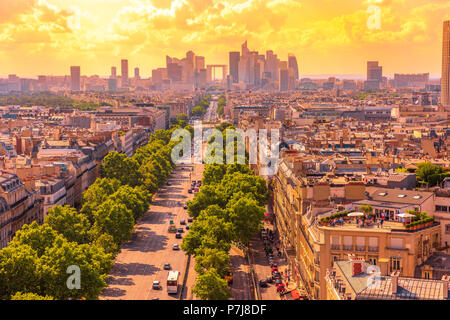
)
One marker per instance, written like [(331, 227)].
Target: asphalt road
[(141, 260)]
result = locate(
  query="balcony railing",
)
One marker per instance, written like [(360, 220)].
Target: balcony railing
[(335, 247), (373, 249), (360, 248), (348, 247)]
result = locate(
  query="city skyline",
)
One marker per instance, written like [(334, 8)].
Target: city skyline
[(327, 39)]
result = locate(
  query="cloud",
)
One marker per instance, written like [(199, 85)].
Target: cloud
[(88, 31)]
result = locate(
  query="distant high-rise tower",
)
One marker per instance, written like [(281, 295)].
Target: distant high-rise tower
[(75, 77), (199, 63), (292, 63), (137, 76), (124, 70), (374, 71), (374, 76), (445, 79), (234, 66), (113, 72)]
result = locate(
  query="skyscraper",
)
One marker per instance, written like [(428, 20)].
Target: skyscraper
[(124, 70), (234, 66), (374, 75), (75, 78), (374, 71), (445, 80), (113, 72), (199, 63), (136, 74), (292, 63)]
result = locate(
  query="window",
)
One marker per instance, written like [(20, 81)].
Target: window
[(426, 274), (397, 243), (335, 243), (373, 244), (373, 260), (348, 243), (360, 244), (447, 228), (395, 263), (401, 196)]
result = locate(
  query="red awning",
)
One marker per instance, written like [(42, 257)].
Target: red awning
[(295, 295)]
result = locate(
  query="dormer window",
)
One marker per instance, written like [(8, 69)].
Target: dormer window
[(382, 194), (401, 196), (417, 197)]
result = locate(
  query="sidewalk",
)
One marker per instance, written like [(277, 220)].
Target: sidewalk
[(263, 269)]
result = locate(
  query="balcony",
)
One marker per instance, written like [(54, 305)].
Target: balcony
[(348, 247), (360, 248), (335, 247), (373, 249)]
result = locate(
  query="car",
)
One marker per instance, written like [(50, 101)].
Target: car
[(156, 285), (187, 227), (182, 222), (185, 207), (190, 220), (189, 190), (178, 235), (175, 247), (166, 266), (169, 183), (263, 283), (155, 298), (276, 275), (180, 230)]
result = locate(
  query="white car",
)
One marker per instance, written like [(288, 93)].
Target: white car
[(156, 285)]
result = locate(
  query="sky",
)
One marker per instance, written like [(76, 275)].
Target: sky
[(46, 37)]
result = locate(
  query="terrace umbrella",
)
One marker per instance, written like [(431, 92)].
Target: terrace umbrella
[(406, 215), (355, 214)]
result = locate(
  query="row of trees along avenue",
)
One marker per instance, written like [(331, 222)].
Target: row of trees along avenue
[(229, 207), (35, 264)]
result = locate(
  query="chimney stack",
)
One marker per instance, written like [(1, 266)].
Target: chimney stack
[(445, 280), (394, 281)]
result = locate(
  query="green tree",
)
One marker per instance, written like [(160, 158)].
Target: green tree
[(38, 237), (210, 286), (135, 199), (29, 296), (245, 216), (106, 242), (198, 111), (208, 195), (429, 173), (119, 166), (96, 194), (249, 184), (114, 219), (68, 222), (367, 209), (18, 270), (212, 258), (54, 264), (208, 232)]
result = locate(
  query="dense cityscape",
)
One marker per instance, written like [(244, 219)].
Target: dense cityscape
[(289, 187)]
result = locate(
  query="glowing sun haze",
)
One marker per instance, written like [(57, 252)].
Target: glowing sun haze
[(327, 36)]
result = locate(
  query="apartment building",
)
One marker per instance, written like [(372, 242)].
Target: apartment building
[(17, 207), (311, 248), (355, 279)]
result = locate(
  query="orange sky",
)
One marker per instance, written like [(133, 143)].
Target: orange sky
[(327, 36)]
